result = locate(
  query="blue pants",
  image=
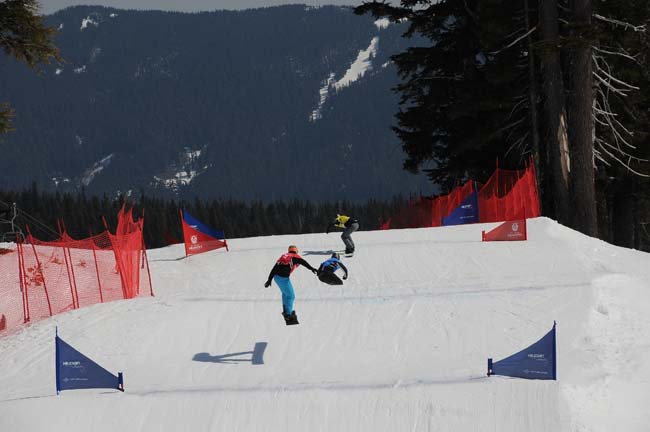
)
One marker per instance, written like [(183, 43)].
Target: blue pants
[(288, 295)]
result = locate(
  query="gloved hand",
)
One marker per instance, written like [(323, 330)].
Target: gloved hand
[(345, 277), (267, 284), (314, 271)]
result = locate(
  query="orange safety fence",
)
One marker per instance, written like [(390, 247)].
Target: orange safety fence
[(42, 278), (508, 193), (505, 195)]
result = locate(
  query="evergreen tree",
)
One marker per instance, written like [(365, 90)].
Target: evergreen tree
[(506, 79), (24, 35), (459, 91)]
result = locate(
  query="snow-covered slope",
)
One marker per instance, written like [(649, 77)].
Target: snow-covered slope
[(401, 346)]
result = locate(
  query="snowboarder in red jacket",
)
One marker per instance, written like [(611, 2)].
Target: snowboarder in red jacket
[(280, 273)]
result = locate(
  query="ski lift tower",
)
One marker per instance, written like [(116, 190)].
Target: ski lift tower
[(8, 217)]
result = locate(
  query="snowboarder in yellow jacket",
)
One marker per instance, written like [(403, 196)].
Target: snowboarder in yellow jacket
[(348, 225)]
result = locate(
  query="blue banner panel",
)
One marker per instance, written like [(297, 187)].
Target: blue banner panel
[(538, 361), (194, 223), (76, 371), (465, 213)]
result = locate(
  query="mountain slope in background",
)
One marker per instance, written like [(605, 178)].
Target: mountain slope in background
[(402, 346), (274, 103)]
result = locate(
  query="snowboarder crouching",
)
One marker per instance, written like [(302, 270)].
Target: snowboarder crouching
[(349, 225), (326, 271)]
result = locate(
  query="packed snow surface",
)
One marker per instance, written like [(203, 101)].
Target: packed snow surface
[(402, 346)]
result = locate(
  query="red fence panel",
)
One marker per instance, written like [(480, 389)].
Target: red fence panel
[(11, 300), (39, 279), (502, 197)]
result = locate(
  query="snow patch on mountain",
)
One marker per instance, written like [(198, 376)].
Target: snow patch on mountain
[(182, 172), (97, 167), (360, 66), (89, 21), (382, 23), (59, 180), (119, 193), (317, 114)]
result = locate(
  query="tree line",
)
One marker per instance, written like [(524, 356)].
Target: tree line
[(84, 215)]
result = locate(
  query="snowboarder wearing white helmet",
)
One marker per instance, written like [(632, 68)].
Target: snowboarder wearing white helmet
[(280, 273)]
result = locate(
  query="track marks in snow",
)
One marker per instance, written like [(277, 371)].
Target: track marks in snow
[(334, 386)]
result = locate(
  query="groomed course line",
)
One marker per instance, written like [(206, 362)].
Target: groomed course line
[(392, 297)]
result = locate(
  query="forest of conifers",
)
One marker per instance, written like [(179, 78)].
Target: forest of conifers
[(83, 215)]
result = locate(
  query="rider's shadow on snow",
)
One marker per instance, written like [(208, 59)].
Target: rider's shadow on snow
[(257, 356), (327, 252)]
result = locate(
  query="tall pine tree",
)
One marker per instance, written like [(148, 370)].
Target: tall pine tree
[(24, 35)]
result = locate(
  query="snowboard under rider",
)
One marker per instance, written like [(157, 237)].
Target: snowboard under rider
[(348, 225), (280, 273), (326, 271)]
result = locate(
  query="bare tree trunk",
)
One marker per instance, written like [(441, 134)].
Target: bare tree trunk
[(581, 126), (554, 111), (623, 215), (532, 90)]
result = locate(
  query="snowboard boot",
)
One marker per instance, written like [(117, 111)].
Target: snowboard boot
[(290, 319)]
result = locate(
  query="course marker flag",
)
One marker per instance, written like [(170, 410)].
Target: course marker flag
[(465, 213), (76, 371), (512, 230), (199, 237), (538, 361)]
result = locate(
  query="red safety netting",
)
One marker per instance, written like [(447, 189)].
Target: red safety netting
[(11, 301), (46, 278), (507, 193), (427, 212), (442, 206), (504, 196)]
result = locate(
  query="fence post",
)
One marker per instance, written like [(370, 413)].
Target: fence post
[(23, 285), (496, 173), (40, 270), (67, 268), (99, 282), (146, 260)]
